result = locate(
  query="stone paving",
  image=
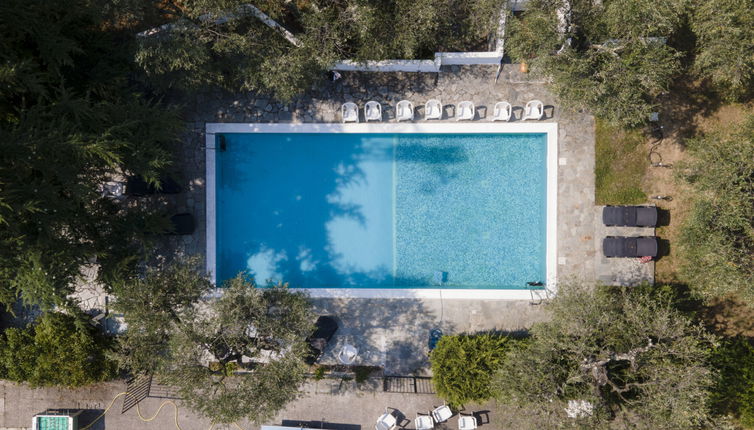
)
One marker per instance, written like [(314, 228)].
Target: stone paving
[(401, 326)]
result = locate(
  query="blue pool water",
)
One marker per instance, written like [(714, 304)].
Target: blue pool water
[(383, 210)]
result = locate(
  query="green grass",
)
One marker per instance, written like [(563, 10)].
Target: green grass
[(620, 165)]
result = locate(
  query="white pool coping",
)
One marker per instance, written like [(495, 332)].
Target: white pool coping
[(549, 128)]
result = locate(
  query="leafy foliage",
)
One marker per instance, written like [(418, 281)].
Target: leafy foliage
[(238, 356), (201, 47), (58, 349), (725, 44), (609, 58), (717, 239), (734, 391), (463, 366), (625, 351), (68, 122)]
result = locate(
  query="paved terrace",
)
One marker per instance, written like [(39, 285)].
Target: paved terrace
[(393, 333)]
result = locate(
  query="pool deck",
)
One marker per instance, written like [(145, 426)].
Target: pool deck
[(395, 331)]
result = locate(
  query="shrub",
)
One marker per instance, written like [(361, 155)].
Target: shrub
[(734, 393), (463, 365), (58, 349)]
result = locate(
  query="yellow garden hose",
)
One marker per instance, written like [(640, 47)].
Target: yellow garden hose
[(141, 417)]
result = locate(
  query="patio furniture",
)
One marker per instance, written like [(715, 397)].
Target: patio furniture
[(373, 111), (502, 111), (404, 111), (441, 414), (467, 422), (325, 329), (466, 111), (350, 112), (433, 109), (630, 216), (623, 247), (534, 109), (386, 421), (424, 422)]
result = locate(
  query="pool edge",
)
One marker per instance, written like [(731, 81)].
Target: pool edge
[(548, 128)]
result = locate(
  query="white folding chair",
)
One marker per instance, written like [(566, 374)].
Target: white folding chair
[(466, 111), (350, 112), (442, 414), (467, 423), (424, 422), (433, 109), (535, 109), (386, 421), (502, 111), (404, 111), (373, 111)]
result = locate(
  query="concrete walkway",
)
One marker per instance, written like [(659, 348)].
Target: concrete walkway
[(346, 408)]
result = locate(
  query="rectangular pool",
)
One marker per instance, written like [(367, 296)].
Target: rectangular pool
[(379, 206)]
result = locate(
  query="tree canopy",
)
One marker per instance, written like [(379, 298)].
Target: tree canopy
[(629, 354), (57, 349), (463, 366), (222, 42), (234, 357), (610, 57), (717, 237), (69, 121)]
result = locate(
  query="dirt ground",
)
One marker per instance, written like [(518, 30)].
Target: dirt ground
[(689, 111)]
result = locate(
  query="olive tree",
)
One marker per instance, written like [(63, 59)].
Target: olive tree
[(725, 44), (619, 356), (610, 57), (237, 356), (717, 237)]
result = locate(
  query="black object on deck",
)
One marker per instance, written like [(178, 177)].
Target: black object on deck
[(326, 326), (621, 246), (136, 186), (630, 216), (182, 224)]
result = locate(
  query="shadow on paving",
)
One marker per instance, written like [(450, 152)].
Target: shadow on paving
[(399, 328), (320, 425)]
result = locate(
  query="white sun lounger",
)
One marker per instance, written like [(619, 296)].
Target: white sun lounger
[(466, 111), (372, 111), (433, 109), (502, 111), (404, 111), (350, 112), (535, 109)]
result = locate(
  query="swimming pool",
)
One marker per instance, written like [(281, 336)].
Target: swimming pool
[(379, 207)]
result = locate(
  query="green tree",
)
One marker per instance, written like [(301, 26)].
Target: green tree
[(725, 44), (734, 391), (69, 121), (202, 47), (237, 356), (609, 57), (463, 366), (717, 237), (57, 349), (628, 353)]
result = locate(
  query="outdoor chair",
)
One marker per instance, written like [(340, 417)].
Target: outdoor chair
[(441, 414), (386, 421), (424, 422), (350, 112), (630, 216), (502, 111), (629, 247), (373, 111), (535, 109), (404, 111), (433, 109), (467, 422), (466, 111)]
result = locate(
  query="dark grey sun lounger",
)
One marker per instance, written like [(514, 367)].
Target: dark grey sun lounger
[(630, 216), (621, 246)]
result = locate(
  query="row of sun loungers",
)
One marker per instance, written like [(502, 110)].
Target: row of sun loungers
[(404, 111), (630, 247)]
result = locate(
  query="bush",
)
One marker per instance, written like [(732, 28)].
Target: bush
[(717, 238), (58, 349), (734, 393), (463, 365)]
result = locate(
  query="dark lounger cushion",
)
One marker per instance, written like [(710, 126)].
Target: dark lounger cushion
[(619, 246), (646, 247), (646, 216)]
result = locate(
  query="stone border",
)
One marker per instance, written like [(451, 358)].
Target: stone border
[(550, 129)]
